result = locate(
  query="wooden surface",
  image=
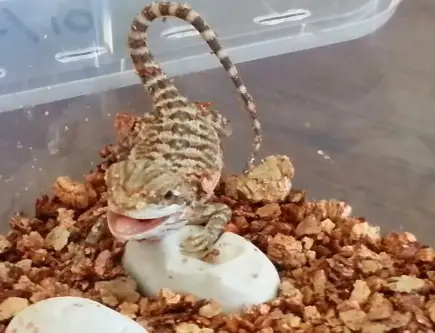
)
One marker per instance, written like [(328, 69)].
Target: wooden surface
[(357, 120)]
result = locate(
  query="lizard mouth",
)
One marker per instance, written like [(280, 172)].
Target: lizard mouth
[(150, 222), (125, 227)]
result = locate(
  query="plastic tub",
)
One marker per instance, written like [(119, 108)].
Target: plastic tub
[(63, 79), (356, 119), (67, 50)]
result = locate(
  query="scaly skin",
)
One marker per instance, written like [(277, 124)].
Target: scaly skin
[(170, 162)]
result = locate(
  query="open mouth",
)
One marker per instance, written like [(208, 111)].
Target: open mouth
[(125, 227)]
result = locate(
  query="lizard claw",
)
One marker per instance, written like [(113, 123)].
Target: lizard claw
[(197, 243)]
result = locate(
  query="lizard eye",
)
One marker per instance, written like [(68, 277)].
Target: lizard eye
[(170, 194)]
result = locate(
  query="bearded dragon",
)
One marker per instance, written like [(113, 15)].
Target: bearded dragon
[(171, 160)]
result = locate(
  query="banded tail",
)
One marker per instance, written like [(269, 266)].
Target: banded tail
[(161, 89)]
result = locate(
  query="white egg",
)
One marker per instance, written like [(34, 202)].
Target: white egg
[(71, 315)]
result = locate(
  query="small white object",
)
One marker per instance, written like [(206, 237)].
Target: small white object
[(71, 315), (241, 276)]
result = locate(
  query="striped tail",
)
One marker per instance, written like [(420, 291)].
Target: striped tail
[(155, 80)]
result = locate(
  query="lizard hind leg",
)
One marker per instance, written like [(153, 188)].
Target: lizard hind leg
[(219, 122), (215, 216), (222, 124)]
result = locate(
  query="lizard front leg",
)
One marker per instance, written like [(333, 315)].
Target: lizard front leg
[(215, 216)]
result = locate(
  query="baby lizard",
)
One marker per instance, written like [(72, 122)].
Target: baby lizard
[(170, 162)]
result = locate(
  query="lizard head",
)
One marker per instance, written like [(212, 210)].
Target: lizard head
[(145, 200)]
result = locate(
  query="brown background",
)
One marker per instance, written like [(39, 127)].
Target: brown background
[(368, 105)]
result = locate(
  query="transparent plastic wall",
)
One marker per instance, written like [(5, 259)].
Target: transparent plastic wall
[(347, 98)]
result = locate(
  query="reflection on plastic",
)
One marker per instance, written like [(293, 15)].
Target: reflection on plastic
[(17, 23), (80, 54), (3, 72), (79, 21), (179, 32), (278, 18), (54, 142)]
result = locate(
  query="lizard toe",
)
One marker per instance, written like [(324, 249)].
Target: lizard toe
[(196, 243)]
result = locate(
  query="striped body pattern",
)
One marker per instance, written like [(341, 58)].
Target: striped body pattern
[(169, 164)]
